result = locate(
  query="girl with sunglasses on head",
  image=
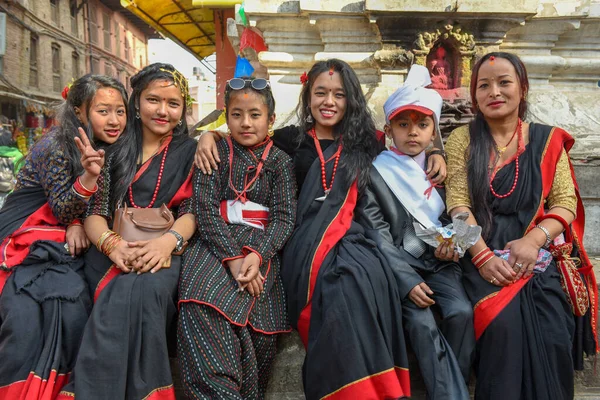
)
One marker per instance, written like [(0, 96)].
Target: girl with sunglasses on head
[(44, 300), (333, 275), (123, 353), (230, 293)]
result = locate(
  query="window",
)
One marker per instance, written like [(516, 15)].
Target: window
[(127, 49), (118, 39), (75, 65), (93, 23), (55, 11), (73, 11), (110, 70), (106, 27), (33, 61), (56, 80), (95, 66), (1, 65), (128, 82), (141, 61)]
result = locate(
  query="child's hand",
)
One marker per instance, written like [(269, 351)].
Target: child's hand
[(445, 252), (256, 286), (235, 267), (420, 295), (249, 269), (91, 160)]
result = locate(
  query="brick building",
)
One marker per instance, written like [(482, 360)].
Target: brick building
[(50, 42)]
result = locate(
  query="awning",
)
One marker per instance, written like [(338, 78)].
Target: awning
[(192, 27)]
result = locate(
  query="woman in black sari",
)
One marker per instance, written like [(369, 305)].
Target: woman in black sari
[(124, 353), (515, 180), (44, 300), (343, 297)]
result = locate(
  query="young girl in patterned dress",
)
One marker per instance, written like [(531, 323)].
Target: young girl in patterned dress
[(232, 304), (44, 301)]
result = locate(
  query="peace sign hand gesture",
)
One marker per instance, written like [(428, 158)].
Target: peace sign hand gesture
[(92, 160)]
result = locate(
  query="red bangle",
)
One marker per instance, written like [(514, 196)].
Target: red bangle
[(481, 258), (82, 190)]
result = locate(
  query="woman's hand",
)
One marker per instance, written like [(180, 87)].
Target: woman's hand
[(445, 252), (436, 169), (523, 256), (77, 240), (152, 255), (120, 256), (92, 160), (207, 156), (497, 272), (420, 295)]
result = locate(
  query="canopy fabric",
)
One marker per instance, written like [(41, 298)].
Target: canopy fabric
[(193, 27)]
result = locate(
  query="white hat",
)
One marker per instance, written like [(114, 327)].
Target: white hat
[(414, 96)]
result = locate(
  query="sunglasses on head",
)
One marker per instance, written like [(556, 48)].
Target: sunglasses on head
[(256, 83)]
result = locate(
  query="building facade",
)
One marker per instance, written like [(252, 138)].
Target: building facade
[(48, 43)]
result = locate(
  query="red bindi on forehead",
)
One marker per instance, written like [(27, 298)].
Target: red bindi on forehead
[(415, 116)]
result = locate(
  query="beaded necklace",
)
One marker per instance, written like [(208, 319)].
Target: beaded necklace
[(519, 132), (158, 180), (335, 156)]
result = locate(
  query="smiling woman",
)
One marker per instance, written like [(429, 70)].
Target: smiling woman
[(123, 352), (44, 301), (514, 179)]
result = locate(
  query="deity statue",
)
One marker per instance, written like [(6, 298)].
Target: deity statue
[(441, 70)]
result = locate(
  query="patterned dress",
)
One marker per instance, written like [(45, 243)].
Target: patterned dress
[(44, 301), (227, 339)]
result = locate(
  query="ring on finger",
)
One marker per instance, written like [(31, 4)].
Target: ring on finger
[(493, 280), (519, 265)]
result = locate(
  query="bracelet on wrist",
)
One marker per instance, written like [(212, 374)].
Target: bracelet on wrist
[(482, 258), (547, 233)]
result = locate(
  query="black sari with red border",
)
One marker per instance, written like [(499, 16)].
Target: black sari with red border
[(124, 352), (342, 297), (527, 336), (44, 300)]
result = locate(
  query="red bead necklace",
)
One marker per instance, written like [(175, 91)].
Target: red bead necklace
[(160, 174), (336, 155), (519, 132)]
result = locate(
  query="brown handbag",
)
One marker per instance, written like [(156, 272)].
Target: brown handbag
[(135, 224)]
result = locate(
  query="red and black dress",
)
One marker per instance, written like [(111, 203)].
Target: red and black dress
[(44, 300), (227, 338), (343, 296), (123, 353), (528, 340)]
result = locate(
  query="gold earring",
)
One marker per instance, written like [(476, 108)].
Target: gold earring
[(270, 132)]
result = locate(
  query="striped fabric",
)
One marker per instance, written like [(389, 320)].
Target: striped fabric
[(219, 360), (204, 277)]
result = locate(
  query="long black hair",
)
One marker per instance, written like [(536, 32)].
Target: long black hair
[(129, 155), (482, 144), (80, 96), (356, 129)]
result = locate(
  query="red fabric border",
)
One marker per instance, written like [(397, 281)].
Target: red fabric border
[(35, 388), (166, 393), (390, 384), (111, 274), (333, 234), (487, 310), (41, 225)]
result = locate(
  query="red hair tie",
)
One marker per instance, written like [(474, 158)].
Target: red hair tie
[(304, 78), (65, 91)]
